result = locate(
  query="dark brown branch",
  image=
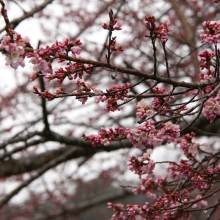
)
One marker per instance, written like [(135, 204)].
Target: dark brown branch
[(5, 16), (29, 14), (38, 173), (44, 107), (33, 162), (187, 29), (17, 138), (140, 73), (21, 148)]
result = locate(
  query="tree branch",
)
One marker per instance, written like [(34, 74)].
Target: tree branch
[(38, 173), (15, 22), (33, 162)]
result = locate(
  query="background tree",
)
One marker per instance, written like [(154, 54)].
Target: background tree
[(107, 76)]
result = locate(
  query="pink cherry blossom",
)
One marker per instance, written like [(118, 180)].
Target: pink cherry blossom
[(143, 110), (43, 58), (116, 93), (15, 49), (169, 132), (147, 134), (105, 136), (75, 50), (211, 108)]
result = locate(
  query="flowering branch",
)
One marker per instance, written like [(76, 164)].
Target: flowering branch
[(164, 103)]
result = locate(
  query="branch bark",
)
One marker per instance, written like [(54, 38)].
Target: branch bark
[(33, 162), (29, 14)]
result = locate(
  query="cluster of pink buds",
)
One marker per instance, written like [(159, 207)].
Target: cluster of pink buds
[(215, 170), (113, 46), (115, 94), (186, 170), (187, 145), (105, 136), (60, 91), (112, 24), (212, 35), (199, 182), (166, 205), (206, 59), (147, 134), (119, 211), (13, 47), (86, 88), (43, 57), (47, 95), (153, 212), (147, 187), (149, 183), (206, 62), (160, 31), (71, 71)]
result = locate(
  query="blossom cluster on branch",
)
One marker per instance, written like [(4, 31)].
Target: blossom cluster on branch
[(210, 36), (13, 46), (161, 31)]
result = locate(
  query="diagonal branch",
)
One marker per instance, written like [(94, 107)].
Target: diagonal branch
[(187, 29), (176, 83), (189, 34), (38, 173), (29, 14), (33, 162)]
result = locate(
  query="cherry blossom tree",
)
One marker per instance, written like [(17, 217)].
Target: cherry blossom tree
[(125, 77)]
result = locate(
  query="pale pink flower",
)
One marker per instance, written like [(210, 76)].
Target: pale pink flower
[(143, 110), (193, 149), (15, 52), (105, 142), (148, 167), (211, 108), (75, 50)]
